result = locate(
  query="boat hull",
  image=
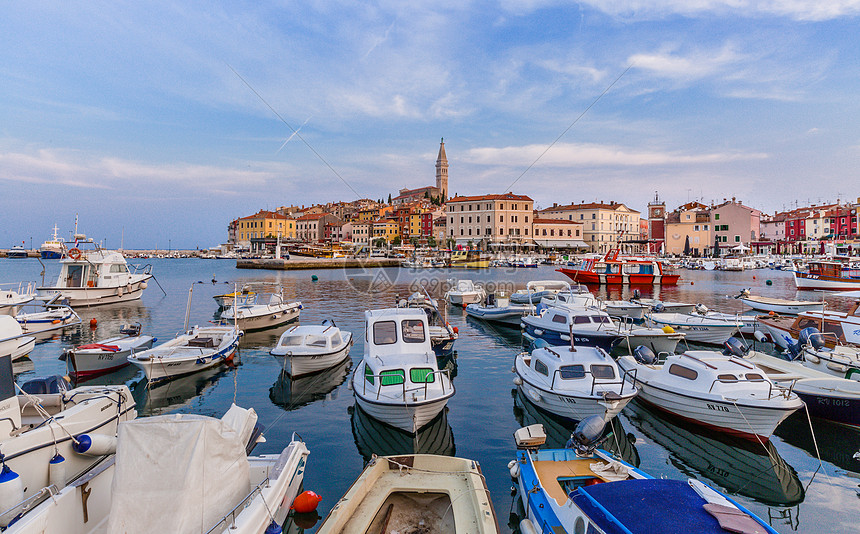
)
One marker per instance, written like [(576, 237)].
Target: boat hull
[(409, 417), (263, 322), (50, 254), (574, 407), (301, 364), (85, 364), (790, 309), (161, 369), (700, 333), (499, 315), (832, 403), (96, 296), (821, 281), (604, 340), (591, 277)]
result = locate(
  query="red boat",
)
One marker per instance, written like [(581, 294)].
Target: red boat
[(612, 270)]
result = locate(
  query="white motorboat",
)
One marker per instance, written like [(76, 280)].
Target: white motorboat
[(536, 290), (242, 297), (717, 390), (626, 308), (213, 486), (784, 306), (197, 349), (498, 308), (106, 355), (698, 328), (51, 435), (838, 327), (54, 318), (95, 277), (572, 382), (665, 306), (464, 292), (13, 297), (587, 489), (398, 381), (13, 341), (253, 316), (415, 493), (309, 349), (839, 360), (569, 297)]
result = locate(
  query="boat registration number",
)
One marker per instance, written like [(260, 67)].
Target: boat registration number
[(716, 407)]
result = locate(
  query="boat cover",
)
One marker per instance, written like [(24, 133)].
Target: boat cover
[(177, 473), (646, 505)]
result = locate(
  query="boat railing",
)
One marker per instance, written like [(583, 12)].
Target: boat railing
[(404, 390), (230, 517), (33, 500), (781, 391), (594, 380), (21, 288)]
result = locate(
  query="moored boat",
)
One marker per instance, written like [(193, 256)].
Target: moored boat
[(464, 292), (54, 318), (252, 316), (54, 248), (698, 328), (498, 308), (614, 269), (838, 327), (308, 349), (785, 306), (107, 355), (194, 350), (13, 341), (415, 493), (828, 275), (13, 297)]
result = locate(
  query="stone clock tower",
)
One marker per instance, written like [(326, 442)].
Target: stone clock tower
[(656, 224), (442, 171)]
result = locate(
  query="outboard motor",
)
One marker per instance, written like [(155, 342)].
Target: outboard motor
[(794, 350), (701, 308), (659, 308), (586, 435), (132, 330), (636, 294), (735, 347), (48, 384), (644, 355), (811, 336), (539, 309)]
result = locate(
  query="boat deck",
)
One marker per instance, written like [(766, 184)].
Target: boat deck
[(549, 472)]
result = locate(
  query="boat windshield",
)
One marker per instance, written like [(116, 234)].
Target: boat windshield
[(315, 341), (413, 331), (570, 372), (291, 341), (384, 333)]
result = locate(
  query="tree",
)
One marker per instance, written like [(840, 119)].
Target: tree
[(431, 242), (389, 198), (396, 241), (426, 194)]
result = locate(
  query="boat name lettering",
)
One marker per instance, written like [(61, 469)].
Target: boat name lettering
[(834, 402), (105, 407), (716, 407), (105, 356)]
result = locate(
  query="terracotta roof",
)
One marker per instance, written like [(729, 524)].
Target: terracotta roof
[(587, 206), (311, 216), (554, 221), (506, 196), (262, 214)]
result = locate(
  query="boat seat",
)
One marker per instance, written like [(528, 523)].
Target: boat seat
[(52, 402), (204, 342), (549, 472)]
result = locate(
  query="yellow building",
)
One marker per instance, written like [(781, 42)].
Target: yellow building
[(604, 225), (264, 224), (692, 222), (385, 229)]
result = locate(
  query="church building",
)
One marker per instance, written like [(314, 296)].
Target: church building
[(440, 190)]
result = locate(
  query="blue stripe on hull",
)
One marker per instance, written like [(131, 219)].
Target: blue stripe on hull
[(50, 255), (838, 410), (553, 337)]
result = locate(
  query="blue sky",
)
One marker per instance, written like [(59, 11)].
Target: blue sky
[(131, 114)]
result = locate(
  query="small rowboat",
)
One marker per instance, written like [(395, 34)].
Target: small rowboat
[(108, 355), (784, 306)]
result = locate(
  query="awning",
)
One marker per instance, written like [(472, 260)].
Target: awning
[(560, 243)]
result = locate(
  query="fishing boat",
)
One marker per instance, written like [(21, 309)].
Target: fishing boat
[(784, 306), (252, 316), (614, 269), (588, 490), (309, 349), (51, 434), (464, 292), (398, 381), (13, 297), (828, 275), (717, 390), (469, 259), (572, 382), (56, 317), (498, 308), (196, 349), (17, 252), (415, 493), (698, 328), (827, 396), (13, 341), (54, 248), (838, 327), (592, 327), (242, 297), (213, 486), (536, 290), (95, 277), (107, 355)]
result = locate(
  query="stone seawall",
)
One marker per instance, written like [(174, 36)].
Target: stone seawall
[(316, 263)]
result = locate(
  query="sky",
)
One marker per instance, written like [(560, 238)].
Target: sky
[(157, 123)]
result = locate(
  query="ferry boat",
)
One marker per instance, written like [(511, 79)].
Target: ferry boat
[(54, 248), (828, 275), (616, 270)]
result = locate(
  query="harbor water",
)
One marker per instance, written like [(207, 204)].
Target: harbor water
[(782, 481)]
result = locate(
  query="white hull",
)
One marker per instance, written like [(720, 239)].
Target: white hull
[(25, 347), (574, 407), (462, 299), (407, 416), (713, 334), (512, 315), (83, 363), (621, 310), (817, 283), (96, 296), (787, 308), (177, 358), (307, 364), (268, 320)]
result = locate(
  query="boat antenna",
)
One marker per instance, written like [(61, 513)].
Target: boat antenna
[(188, 306)]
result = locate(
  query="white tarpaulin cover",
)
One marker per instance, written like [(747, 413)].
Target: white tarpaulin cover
[(177, 473)]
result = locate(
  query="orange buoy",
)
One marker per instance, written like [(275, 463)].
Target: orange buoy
[(93, 322), (753, 277), (771, 313), (305, 502), (692, 283), (456, 330)]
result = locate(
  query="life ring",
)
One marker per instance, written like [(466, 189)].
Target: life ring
[(75, 253)]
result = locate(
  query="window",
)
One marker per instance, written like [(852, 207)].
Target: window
[(470, 220), (600, 319), (571, 372), (727, 378), (696, 228), (716, 216), (683, 372), (368, 375), (754, 377), (422, 375), (501, 218), (384, 333), (413, 331), (541, 368), (581, 319), (291, 341), (602, 371), (392, 377), (315, 341), (561, 319), (737, 239)]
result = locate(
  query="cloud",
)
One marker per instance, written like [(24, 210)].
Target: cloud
[(696, 64), (579, 155)]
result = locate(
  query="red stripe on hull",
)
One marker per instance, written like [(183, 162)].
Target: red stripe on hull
[(738, 433)]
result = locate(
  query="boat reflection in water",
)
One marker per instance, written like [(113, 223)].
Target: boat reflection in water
[(168, 396), (737, 465), (558, 429), (375, 437), (263, 339), (121, 376), (506, 335), (291, 393), (838, 444)]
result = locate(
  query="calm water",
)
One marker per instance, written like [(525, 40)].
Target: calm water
[(783, 482)]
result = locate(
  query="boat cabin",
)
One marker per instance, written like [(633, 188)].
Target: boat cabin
[(397, 346), (703, 370), (325, 338), (94, 269), (564, 369), (581, 317)]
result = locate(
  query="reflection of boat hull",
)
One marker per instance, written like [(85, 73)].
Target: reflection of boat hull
[(172, 395), (737, 465), (290, 393), (373, 437), (833, 442)]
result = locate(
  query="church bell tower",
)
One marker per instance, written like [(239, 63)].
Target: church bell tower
[(442, 171)]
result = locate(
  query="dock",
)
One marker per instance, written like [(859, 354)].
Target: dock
[(317, 263)]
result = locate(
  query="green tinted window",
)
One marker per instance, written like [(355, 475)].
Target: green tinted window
[(421, 376), (368, 374), (392, 377)]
